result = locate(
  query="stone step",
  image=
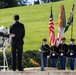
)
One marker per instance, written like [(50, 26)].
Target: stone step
[(37, 71)]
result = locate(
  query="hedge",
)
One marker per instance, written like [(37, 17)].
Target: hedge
[(30, 58)]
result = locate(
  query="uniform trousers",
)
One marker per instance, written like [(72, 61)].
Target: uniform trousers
[(45, 61), (71, 63), (62, 62), (53, 62)]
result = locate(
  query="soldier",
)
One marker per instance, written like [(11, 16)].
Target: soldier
[(46, 51), (63, 49), (54, 55), (71, 53)]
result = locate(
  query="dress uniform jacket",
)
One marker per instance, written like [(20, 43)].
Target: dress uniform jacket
[(63, 49), (54, 52), (72, 50), (46, 50)]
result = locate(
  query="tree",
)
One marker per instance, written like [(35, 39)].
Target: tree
[(10, 3), (36, 2), (1, 4), (22, 2), (47, 1)]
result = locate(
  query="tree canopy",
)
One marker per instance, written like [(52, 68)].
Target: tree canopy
[(8, 3), (13, 3)]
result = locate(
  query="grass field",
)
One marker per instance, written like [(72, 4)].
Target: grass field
[(36, 19)]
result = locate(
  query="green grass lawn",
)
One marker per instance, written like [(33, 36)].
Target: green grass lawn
[(36, 20)]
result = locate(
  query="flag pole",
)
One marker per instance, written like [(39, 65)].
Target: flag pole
[(72, 23), (72, 31), (42, 65)]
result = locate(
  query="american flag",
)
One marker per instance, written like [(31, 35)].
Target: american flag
[(51, 30)]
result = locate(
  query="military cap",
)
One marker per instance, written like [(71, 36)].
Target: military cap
[(44, 39), (63, 38), (72, 39)]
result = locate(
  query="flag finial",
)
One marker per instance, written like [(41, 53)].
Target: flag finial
[(73, 6)]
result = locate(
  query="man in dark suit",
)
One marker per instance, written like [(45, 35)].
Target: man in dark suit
[(63, 49), (17, 42), (71, 53)]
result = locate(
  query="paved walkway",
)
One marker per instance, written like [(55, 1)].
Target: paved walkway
[(37, 71)]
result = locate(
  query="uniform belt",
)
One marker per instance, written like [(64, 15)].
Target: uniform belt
[(62, 54), (71, 53), (45, 51), (53, 54)]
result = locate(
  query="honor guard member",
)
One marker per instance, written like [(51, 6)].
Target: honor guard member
[(63, 49), (46, 51), (71, 53), (54, 55)]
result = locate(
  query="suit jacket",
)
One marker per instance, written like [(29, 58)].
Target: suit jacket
[(18, 29)]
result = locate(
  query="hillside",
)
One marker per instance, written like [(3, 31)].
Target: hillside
[(36, 19)]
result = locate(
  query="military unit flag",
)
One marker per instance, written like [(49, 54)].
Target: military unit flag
[(61, 24), (70, 20)]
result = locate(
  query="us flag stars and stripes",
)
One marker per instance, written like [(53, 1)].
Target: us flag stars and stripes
[(51, 30)]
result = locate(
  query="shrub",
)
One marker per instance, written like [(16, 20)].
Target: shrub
[(29, 59)]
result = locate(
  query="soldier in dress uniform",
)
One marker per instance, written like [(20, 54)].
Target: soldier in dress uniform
[(71, 53), (54, 55), (46, 51), (63, 49)]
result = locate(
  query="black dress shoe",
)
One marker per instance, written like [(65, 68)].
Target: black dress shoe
[(14, 70), (21, 70)]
